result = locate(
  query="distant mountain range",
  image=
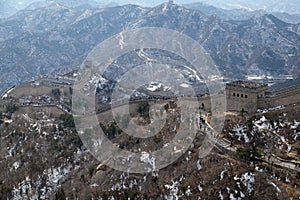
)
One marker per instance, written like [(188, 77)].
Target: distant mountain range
[(241, 13), (271, 6), (7, 8), (53, 38)]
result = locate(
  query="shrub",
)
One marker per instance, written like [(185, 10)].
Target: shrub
[(157, 139), (112, 130), (248, 154), (298, 175), (70, 90), (68, 120), (154, 179), (56, 93), (92, 169), (143, 109), (11, 108), (60, 195)]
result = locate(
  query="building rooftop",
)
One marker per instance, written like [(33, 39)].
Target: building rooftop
[(247, 84)]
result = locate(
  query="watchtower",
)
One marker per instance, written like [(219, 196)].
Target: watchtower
[(244, 95)]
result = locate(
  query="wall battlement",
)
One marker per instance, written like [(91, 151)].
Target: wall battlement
[(285, 96)]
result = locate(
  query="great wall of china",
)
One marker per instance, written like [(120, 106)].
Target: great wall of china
[(239, 95)]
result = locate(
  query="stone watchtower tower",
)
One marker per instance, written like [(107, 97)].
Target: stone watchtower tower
[(244, 95)]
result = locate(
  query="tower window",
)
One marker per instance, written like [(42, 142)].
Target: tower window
[(234, 94), (246, 96), (238, 95), (242, 95)]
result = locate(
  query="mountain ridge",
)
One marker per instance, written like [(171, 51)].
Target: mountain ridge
[(61, 38)]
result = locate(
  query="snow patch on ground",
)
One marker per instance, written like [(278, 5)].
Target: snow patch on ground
[(240, 132), (164, 7), (173, 190), (276, 187), (124, 183), (5, 95), (145, 157), (258, 169), (295, 125), (184, 85), (154, 87), (220, 195), (262, 123), (271, 109), (16, 165), (188, 191), (200, 188), (33, 190), (222, 174), (248, 180), (199, 167)]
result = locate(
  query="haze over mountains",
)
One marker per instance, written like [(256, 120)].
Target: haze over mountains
[(53, 37), (242, 13), (290, 6), (7, 8)]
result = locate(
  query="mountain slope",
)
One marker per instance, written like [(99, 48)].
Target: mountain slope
[(38, 47), (56, 38), (43, 157)]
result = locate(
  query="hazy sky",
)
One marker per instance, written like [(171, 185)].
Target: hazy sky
[(141, 2), (17, 3), (8, 7), (156, 2)]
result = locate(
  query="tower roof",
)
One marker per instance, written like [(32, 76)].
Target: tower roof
[(247, 84)]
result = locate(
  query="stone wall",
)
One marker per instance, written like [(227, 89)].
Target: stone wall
[(285, 96), (252, 99), (206, 102)]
